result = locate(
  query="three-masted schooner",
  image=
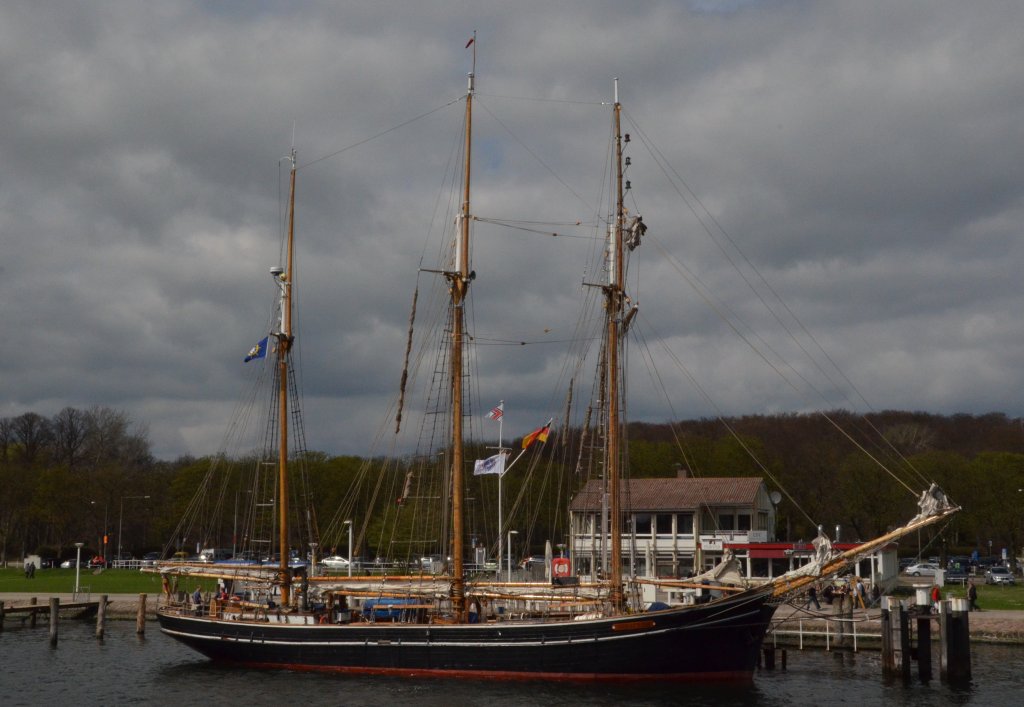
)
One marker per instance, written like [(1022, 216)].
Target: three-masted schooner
[(436, 626)]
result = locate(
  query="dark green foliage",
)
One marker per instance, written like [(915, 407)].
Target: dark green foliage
[(62, 478)]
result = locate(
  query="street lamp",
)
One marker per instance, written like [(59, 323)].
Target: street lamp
[(78, 564), (510, 534), (349, 524), (120, 520), (103, 537)]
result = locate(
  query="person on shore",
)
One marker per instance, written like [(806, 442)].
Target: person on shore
[(859, 590), (972, 597), (812, 598)]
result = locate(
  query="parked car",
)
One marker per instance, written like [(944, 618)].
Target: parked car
[(432, 563), (335, 562), (533, 561), (150, 559), (97, 561), (71, 563), (999, 575), (926, 569)]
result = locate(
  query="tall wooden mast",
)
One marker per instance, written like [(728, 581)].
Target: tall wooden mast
[(460, 279), (285, 281), (613, 314)]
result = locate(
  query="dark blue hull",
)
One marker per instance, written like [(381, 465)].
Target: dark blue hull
[(703, 642)]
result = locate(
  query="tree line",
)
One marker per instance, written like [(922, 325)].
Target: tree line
[(89, 476)]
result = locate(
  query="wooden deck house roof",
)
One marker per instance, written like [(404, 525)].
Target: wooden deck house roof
[(673, 494)]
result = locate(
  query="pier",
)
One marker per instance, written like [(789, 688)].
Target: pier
[(26, 610)]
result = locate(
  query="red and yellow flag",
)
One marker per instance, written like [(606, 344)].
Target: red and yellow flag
[(538, 434)]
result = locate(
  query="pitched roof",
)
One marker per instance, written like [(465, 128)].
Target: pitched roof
[(673, 494)]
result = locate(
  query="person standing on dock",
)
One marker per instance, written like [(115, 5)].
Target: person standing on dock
[(812, 598), (972, 596)]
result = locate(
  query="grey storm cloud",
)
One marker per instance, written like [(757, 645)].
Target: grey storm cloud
[(863, 157)]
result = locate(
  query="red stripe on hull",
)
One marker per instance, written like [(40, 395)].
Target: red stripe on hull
[(507, 675)]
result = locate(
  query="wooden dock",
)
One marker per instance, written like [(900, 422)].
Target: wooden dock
[(29, 612)]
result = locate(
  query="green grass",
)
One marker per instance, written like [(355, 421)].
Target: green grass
[(991, 596), (58, 581)]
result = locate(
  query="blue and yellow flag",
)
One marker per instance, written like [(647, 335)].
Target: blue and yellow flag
[(259, 350)]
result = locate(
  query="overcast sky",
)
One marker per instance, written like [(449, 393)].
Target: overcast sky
[(865, 157)]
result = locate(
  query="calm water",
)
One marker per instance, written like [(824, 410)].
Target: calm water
[(122, 669)]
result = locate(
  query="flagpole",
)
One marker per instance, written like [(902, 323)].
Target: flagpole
[(501, 423)]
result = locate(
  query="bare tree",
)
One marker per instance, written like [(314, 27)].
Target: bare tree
[(69, 433), (31, 433)]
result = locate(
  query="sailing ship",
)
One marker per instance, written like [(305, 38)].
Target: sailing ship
[(464, 623)]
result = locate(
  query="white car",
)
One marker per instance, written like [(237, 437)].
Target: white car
[(922, 568), (999, 575), (335, 562)]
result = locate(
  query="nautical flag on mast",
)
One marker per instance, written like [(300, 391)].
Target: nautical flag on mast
[(491, 465), (540, 434), (259, 350), (496, 412)]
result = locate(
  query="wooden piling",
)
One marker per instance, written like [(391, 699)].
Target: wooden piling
[(54, 615), (924, 647), (101, 616), (140, 616), (769, 657), (924, 635), (895, 639), (32, 616), (1, 616), (955, 641)]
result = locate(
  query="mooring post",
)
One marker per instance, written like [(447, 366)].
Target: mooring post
[(955, 661), (895, 639), (54, 615), (887, 649), (101, 616), (32, 615), (924, 635), (140, 616), (1, 616), (840, 628)]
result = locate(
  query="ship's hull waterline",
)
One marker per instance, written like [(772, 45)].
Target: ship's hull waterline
[(717, 641)]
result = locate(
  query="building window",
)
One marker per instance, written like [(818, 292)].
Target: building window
[(743, 521), (642, 524), (663, 524), (684, 523), (726, 521)]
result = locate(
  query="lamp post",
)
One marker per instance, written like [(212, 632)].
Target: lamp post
[(120, 522), (510, 534), (103, 535), (349, 524), (78, 564)]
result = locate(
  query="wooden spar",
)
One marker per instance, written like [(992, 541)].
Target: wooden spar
[(613, 308), (460, 279), (786, 585), (284, 344)]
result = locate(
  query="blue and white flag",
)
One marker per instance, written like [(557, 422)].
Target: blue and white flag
[(259, 350), (491, 465)]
